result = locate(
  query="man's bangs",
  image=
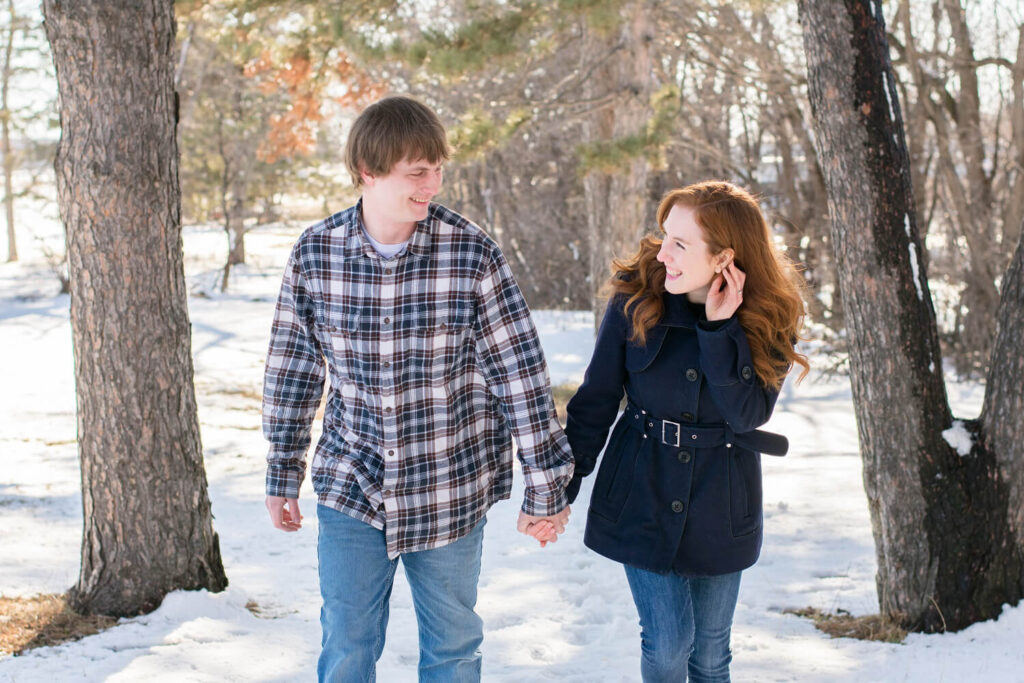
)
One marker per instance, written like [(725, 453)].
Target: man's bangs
[(428, 148)]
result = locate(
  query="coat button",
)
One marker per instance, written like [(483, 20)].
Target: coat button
[(691, 375), (684, 456), (688, 417), (746, 372), (677, 506)]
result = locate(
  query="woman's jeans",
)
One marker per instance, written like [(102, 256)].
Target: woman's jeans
[(355, 581), (685, 625)]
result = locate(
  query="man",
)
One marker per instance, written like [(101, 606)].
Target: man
[(412, 315)]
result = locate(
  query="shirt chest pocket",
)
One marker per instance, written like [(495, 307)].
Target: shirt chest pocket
[(350, 339), (446, 340)]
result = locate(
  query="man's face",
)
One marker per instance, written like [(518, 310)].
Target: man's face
[(402, 196)]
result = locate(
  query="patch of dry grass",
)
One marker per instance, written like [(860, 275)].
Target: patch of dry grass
[(42, 620), (562, 394), (842, 624)]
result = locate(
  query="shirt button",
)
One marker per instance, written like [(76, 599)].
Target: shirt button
[(387, 321), (677, 506), (746, 372), (388, 492), (387, 364), (388, 271), (688, 417), (391, 452), (684, 456), (691, 375), (388, 410)]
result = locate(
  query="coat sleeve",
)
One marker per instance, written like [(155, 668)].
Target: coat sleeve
[(729, 368), (593, 408)]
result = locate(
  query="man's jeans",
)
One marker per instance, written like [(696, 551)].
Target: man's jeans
[(355, 581), (685, 625)]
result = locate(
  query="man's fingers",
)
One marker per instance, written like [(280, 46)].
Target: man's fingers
[(284, 513)]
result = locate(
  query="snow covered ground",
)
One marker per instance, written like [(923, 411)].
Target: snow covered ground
[(561, 613)]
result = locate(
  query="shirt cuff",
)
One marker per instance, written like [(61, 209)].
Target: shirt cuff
[(544, 504), (284, 481)]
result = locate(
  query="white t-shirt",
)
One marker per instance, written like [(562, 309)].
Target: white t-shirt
[(385, 250)]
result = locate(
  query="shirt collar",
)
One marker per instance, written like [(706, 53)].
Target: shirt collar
[(357, 245)]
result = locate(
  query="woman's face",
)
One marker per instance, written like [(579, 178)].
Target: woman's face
[(689, 265)]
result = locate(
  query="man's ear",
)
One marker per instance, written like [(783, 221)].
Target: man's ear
[(366, 176)]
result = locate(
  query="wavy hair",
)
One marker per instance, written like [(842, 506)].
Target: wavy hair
[(772, 310)]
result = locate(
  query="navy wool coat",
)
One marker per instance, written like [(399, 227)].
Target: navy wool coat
[(679, 487)]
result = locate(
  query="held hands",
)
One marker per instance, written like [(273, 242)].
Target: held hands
[(544, 529), (725, 294), (284, 513)]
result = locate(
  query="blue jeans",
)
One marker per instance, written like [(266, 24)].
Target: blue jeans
[(685, 625), (355, 581)]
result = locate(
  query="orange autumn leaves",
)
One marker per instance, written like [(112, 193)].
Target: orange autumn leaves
[(293, 132)]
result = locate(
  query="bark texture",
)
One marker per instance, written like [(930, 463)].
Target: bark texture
[(946, 553), (1002, 415), (148, 524)]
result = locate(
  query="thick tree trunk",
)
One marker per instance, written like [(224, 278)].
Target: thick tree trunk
[(148, 526), (946, 555), (616, 202), (1002, 415)]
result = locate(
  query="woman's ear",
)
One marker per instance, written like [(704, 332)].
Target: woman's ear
[(724, 258)]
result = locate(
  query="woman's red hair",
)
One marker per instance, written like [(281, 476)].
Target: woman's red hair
[(772, 310)]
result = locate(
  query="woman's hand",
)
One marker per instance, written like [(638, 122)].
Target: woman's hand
[(543, 531), (725, 294)]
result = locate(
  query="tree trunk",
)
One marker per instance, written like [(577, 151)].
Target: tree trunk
[(1002, 414), (946, 554), (5, 135), (616, 201), (148, 525)]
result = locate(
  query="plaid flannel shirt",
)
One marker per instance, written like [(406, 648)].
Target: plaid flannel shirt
[(433, 365)]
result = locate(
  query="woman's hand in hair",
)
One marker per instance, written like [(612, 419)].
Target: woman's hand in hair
[(726, 293)]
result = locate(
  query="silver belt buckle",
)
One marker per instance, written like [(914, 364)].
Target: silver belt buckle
[(663, 439)]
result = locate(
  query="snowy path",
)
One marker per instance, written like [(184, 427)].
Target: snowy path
[(562, 613)]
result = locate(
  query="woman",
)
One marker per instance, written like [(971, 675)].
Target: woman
[(699, 336)]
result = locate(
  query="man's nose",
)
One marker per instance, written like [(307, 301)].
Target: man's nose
[(434, 182)]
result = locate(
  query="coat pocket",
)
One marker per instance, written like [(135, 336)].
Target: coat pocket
[(615, 476), (744, 491)]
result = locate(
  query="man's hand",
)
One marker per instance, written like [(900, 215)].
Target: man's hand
[(284, 513), (544, 529)]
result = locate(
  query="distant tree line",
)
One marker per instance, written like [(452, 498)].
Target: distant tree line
[(571, 118)]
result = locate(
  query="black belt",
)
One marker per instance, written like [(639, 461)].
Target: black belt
[(685, 435)]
